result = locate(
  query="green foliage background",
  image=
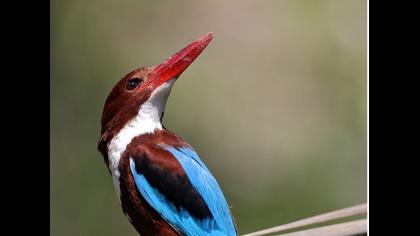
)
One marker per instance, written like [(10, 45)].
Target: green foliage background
[(275, 106)]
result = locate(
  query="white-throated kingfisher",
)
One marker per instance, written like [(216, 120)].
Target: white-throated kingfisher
[(163, 186)]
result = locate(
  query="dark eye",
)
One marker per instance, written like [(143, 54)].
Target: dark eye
[(133, 83)]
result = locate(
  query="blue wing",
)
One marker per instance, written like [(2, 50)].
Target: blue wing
[(203, 182)]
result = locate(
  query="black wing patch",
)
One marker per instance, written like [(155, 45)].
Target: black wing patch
[(176, 187)]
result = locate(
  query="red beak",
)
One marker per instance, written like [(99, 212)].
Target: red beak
[(177, 63)]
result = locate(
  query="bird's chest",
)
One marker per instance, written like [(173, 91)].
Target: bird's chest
[(114, 154)]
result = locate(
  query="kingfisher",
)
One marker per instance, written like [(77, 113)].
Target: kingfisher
[(162, 185)]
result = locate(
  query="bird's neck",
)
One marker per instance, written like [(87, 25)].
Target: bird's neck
[(147, 121)]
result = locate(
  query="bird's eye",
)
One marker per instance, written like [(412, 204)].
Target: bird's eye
[(133, 83)]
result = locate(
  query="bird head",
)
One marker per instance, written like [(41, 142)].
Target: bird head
[(140, 96)]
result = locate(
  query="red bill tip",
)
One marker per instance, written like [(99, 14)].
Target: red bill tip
[(178, 62)]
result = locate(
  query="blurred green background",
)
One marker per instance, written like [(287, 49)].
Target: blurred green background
[(275, 106)]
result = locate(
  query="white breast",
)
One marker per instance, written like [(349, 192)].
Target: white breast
[(147, 120)]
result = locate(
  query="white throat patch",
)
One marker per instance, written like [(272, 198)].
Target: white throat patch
[(147, 120)]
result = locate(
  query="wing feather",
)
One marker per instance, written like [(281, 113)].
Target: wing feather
[(189, 199)]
